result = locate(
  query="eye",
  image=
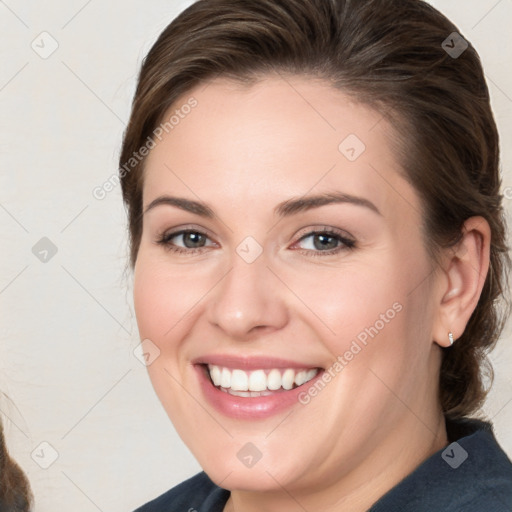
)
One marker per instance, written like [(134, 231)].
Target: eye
[(325, 242), (185, 241)]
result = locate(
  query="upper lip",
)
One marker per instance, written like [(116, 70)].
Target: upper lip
[(250, 363)]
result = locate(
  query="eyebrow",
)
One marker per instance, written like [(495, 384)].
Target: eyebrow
[(305, 203), (284, 209), (184, 204)]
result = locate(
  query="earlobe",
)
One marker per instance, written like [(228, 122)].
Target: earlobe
[(465, 270)]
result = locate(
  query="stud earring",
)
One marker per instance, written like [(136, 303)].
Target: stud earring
[(450, 337)]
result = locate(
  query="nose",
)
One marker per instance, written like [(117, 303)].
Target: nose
[(248, 302)]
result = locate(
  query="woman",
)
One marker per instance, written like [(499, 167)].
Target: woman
[(319, 255)]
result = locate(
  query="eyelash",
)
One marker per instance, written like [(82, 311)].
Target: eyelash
[(345, 242), (165, 241)]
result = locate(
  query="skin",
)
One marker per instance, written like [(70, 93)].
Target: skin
[(243, 151)]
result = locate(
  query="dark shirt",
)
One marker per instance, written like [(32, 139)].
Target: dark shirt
[(472, 474)]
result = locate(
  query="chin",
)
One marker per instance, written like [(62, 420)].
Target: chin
[(257, 479)]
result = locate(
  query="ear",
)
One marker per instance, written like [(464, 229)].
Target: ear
[(464, 271)]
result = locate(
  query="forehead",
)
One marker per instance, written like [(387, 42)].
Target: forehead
[(277, 138)]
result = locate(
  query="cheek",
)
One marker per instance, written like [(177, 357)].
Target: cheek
[(163, 298), (369, 311), (161, 305), (153, 307), (344, 301)]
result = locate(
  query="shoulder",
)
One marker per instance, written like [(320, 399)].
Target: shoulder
[(472, 473), (484, 470), (197, 494)]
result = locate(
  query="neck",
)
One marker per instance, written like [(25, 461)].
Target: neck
[(406, 447)]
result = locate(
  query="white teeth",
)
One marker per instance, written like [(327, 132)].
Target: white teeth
[(239, 381), (274, 380), (215, 374), (258, 382), (247, 393), (239, 393), (300, 378), (225, 378), (310, 374), (288, 379)]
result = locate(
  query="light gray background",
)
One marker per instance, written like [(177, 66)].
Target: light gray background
[(68, 331)]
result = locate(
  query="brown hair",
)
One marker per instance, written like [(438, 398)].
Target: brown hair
[(15, 495), (387, 54)]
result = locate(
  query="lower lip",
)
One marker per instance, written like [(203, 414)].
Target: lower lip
[(259, 407)]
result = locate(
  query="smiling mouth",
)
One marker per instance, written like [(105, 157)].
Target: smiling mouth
[(261, 382)]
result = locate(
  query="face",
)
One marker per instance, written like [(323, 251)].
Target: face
[(282, 276)]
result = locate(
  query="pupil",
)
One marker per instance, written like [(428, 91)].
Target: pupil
[(325, 242), (193, 240)]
